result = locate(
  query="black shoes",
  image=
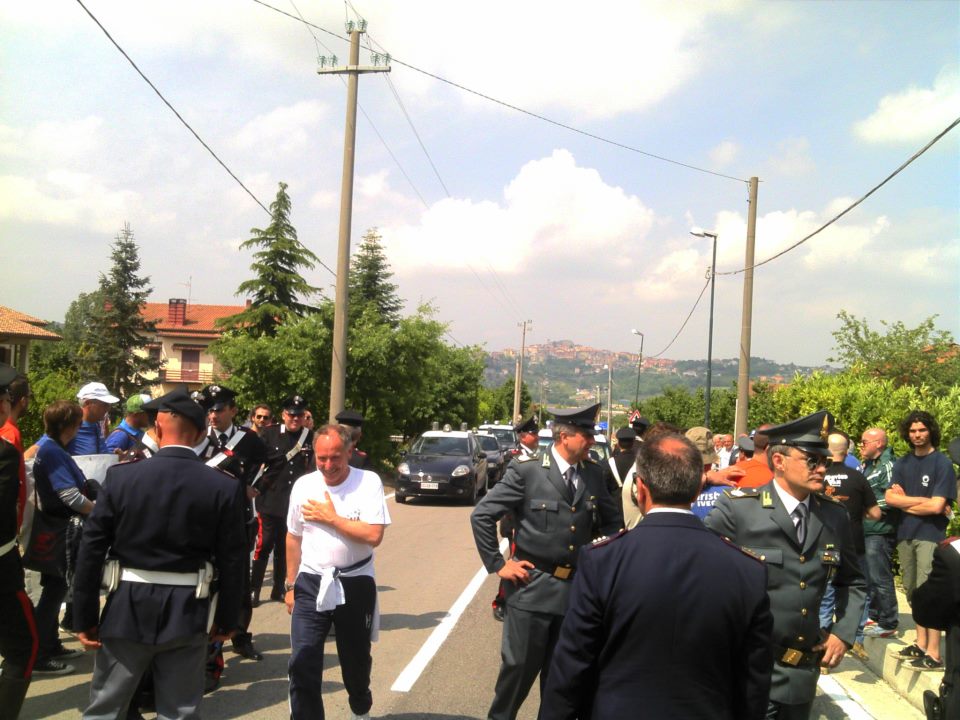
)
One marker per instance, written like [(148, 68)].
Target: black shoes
[(245, 649)]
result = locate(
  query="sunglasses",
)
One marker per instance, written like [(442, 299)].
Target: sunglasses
[(261, 417), (812, 461)]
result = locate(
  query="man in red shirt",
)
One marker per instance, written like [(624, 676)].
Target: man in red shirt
[(758, 472), (19, 391)]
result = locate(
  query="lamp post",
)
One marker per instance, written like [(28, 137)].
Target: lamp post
[(609, 369), (697, 232), (636, 398)]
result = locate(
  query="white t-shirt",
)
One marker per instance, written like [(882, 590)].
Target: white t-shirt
[(358, 497)]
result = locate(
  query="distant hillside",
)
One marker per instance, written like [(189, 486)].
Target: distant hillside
[(572, 373)]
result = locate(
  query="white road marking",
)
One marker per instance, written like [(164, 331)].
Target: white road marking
[(844, 699), (411, 673), (387, 497)]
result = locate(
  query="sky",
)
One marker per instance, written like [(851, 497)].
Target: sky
[(491, 213)]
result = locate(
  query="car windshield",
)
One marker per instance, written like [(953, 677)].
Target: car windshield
[(443, 445), (507, 438), (600, 452), (489, 442)]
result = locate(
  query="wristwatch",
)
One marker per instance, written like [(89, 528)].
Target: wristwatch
[(288, 586)]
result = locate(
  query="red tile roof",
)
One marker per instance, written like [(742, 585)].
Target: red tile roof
[(200, 319), (15, 324)]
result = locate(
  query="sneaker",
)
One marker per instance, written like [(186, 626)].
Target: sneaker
[(927, 663), (878, 631), (859, 652), (868, 623), (52, 667), (912, 651), (65, 653), (354, 716)]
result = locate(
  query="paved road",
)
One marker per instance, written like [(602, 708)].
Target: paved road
[(425, 564)]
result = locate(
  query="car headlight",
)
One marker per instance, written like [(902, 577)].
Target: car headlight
[(403, 468), (460, 470)]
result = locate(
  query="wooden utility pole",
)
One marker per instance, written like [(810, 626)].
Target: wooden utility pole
[(743, 373), (518, 376), (338, 370)]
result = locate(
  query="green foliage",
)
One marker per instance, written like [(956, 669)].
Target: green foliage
[(278, 288), (46, 387), (496, 405), (685, 409), (111, 348), (907, 356), (369, 282)]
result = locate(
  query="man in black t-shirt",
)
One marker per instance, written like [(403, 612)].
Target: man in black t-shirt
[(850, 487)]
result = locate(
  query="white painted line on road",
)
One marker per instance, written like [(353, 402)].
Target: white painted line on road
[(843, 699), (411, 673), (387, 497)]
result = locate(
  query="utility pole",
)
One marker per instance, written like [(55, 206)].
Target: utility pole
[(338, 366), (743, 372), (518, 377)]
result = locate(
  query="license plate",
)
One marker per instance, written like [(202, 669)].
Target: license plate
[(429, 486)]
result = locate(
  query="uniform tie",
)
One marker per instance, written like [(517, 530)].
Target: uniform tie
[(800, 513), (568, 476), (223, 439)]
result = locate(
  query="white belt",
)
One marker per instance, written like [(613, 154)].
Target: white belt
[(4, 549), (157, 577)]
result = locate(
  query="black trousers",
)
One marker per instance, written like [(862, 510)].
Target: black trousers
[(18, 634), (272, 536), (308, 631)]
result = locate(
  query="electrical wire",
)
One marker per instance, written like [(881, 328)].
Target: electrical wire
[(689, 315), (516, 108), (180, 118), (836, 217)]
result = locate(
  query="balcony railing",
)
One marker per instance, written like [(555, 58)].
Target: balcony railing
[(204, 377)]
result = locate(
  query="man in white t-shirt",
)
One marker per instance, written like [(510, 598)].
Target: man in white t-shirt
[(337, 516)]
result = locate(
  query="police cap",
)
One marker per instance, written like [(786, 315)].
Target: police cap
[(640, 424), (215, 397), (626, 434), (584, 418), (294, 405), (527, 426), (179, 401), (350, 417), (808, 433)]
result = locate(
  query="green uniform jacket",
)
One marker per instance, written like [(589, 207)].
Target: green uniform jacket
[(550, 529), (796, 577)]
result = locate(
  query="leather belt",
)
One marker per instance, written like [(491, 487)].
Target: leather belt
[(158, 577), (795, 657), (561, 572)]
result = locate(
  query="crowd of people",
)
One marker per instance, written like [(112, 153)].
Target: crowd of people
[(176, 511), (175, 514)]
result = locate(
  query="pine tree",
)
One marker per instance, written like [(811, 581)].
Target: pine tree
[(117, 339), (278, 289), (369, 281)]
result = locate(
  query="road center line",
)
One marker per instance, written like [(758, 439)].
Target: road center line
[(843, 699), (411, 673)]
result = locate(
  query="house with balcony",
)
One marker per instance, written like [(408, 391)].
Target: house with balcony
[(18, 331), (183, 333)]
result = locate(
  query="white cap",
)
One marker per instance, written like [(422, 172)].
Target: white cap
[(96, 391)]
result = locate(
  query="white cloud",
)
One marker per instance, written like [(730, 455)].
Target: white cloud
[(58, 141), (793, 157), (724, 153), (916, 113), (283, 130), (552, 209)]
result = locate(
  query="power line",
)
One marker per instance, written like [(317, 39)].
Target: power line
[(516, 108), (836, 217), (670, 344), (180, 118)]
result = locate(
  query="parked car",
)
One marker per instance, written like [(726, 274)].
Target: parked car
[(600, 451), (504, 433), (497, 457), (443, 463)]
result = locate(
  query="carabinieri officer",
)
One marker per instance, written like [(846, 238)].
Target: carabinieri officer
[(557, 499), (804, 537)]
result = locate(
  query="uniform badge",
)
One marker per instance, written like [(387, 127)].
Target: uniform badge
[(767, 499)]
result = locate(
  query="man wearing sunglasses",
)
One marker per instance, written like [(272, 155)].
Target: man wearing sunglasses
[(805, 539)]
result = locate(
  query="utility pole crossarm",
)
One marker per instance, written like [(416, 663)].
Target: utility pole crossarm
[(352, 69)]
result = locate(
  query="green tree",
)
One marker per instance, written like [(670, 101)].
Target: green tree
[(369, 282), (278, 290), (116, 335), (907, 356)]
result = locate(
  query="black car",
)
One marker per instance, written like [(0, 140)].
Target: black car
[(497, 457), (443, 463)]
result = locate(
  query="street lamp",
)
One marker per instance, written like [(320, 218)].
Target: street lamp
[(697, 232), (609, 369), (636, 398)]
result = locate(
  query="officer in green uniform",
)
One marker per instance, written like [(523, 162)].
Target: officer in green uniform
[(557, 499), (805, 539)]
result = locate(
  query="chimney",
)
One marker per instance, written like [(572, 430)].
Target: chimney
[(177, 311), (249, 302)]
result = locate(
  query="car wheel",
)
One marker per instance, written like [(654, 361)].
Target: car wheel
[(475, 495), (401, 499)]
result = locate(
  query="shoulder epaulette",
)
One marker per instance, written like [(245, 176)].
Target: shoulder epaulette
[(745, 550), (606, 539), (737, 493), (525, 458)]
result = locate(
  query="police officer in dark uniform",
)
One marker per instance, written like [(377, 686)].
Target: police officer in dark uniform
[(240, 452), (804, 537), (169, 526), (618, 469), (555, 499), (18, 631), (289, 455), (354, 420)]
